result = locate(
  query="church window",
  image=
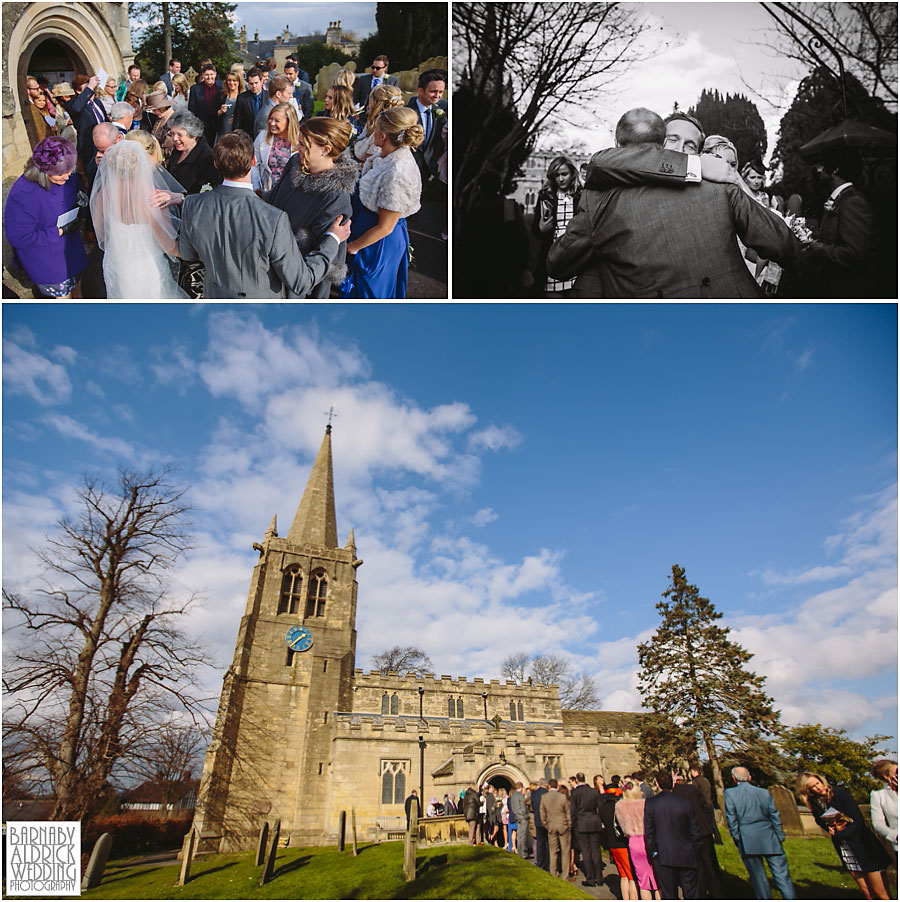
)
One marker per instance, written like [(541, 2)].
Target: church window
[(520, 711), (385, 704), (325, 717), (289, 660), (459, 707), (289, 603), (393, 782), (512, 710), (315, 598), (552, 767), (451, 707), (320, 768), (325, 666), (395, 704)]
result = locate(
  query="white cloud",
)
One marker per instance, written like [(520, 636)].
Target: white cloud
[(32, 374), (493, 438), (71, 428), (483, 517), (802, 361)]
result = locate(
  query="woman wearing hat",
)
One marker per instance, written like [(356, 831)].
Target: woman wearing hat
[(62, 94), (51, 254), (159, 105)]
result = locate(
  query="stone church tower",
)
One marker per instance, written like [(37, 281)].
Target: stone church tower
[(293, 667)]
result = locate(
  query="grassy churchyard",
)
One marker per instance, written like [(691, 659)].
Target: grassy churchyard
[(443, 872)]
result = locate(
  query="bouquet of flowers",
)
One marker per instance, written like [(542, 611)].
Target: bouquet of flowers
[(797, 224)]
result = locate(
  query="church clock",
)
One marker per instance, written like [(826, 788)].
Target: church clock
[(298, 638)]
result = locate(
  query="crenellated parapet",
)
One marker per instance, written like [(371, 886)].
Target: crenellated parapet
[(395, 693)]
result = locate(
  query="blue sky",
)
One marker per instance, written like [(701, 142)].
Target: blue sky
[(519, 477), (304, 18)]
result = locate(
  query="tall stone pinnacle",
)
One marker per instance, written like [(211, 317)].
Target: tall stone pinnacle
[(315, 522)]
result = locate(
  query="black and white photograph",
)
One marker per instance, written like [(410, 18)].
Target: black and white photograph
[(675, 150)]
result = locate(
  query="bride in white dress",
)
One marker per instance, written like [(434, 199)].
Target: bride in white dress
[(138, 237)]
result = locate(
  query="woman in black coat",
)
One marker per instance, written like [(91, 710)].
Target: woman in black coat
[(315, 188), (857, 846), (191, 162)]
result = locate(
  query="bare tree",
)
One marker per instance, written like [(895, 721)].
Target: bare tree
[(168, 756), (103, 659), (864, 34), (577, 691), (403, 659), (517, 66)]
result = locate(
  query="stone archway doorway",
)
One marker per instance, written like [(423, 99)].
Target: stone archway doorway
[(57, 59), (502, 776)]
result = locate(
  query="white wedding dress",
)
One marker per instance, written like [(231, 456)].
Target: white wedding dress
[(133, 232), (135, 267)]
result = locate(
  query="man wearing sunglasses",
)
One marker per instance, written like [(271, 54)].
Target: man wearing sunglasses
[(365, 84)]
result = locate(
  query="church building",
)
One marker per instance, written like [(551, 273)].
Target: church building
[(302, 735)]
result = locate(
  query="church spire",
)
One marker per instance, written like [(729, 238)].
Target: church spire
[(315, 522)]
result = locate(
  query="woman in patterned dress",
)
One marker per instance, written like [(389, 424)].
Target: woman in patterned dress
[(275, 146), (557, 202)]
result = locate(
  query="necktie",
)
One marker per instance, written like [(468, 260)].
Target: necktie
[(427, 124)]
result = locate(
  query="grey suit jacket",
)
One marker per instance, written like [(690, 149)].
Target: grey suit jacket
[(753, 820), (247, 247), (668, 240)]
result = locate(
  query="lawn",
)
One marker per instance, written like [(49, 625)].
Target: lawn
[(442, 872), (816, 871)]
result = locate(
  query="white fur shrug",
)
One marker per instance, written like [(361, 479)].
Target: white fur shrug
[(391, 183)]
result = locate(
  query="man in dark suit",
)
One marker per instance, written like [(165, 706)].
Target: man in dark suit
[(840, 263), (541, 847), (586, 828), (366, 83), (431, 109), (302, 89), (86, 112), (250, 102), (708, 865), (166, 78), (302, 75), (671, 836), (245, 244), (664, 237), (204, 101), (755, 827), (412, 799)]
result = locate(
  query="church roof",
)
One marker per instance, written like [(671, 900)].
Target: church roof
[(604, 721), (315, 522)]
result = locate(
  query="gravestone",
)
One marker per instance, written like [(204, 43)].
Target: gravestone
[(187, 856), (353, 828), (269, 868), (261, 845), (94, 873), (342, 831), (410, 844), (787, 810)]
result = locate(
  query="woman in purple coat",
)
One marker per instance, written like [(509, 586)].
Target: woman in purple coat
[(51, 253)]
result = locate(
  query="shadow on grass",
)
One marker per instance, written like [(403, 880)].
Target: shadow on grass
[(810, 889), (123, 874), (828, 867), (294, 865), (205, 871)]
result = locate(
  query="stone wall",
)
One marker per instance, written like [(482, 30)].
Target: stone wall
[(539, 703)]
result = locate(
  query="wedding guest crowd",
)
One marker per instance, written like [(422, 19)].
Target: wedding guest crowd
[(660, 831), (301, 164)]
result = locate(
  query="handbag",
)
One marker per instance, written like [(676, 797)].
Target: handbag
[(190, 278)]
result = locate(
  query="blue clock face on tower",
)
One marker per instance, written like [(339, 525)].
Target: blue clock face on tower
[(298, 638)]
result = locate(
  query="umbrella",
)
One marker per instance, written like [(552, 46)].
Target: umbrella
[(849, 133)]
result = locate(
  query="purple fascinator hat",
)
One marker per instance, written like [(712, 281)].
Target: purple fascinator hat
[(54, 156)]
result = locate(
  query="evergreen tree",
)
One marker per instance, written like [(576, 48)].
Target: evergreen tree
[(816, 107), (663, 744), (408, 34), (831, 753), (735, 117), (199, 30), (693, 674)]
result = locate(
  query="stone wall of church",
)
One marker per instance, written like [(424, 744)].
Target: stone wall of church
[(539, 703), (456, 754)]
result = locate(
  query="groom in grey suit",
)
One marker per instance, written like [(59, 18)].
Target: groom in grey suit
[(246, 245)]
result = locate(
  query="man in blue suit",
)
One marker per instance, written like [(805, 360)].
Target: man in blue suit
[(541, 838), (755, 827)]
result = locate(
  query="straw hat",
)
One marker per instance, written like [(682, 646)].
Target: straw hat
[(157, 100), (63, 89)]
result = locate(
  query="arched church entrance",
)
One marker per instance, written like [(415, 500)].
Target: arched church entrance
[(56, 40), (502, 776)]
